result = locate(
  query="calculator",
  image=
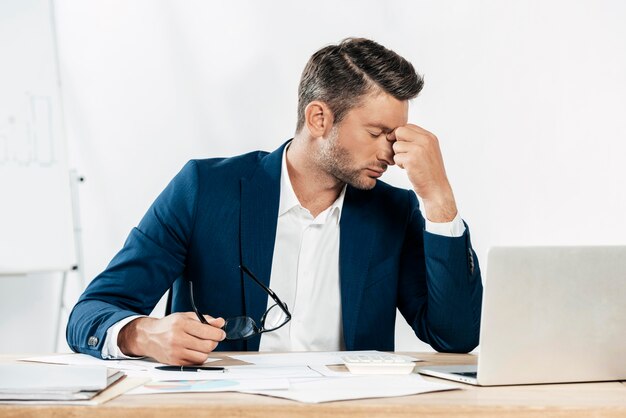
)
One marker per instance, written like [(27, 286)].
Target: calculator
[(378, 364)]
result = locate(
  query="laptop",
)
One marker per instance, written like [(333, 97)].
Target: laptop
[(549, 315)]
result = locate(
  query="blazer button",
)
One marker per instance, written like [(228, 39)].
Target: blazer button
[(92, 341)]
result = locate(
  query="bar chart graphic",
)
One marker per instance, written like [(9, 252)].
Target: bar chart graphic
[(27, 134)]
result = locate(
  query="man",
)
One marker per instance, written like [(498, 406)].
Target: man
[(339, 248)]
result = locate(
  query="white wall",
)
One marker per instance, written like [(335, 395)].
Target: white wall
[(527, 98)]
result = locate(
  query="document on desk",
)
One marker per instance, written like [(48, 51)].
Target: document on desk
[(232, 379), (362, 387), (311, 358), (76, 359), (233, 373), (223, 385)]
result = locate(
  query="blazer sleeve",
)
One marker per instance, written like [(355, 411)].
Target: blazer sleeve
[(440, 288), (153, 256)]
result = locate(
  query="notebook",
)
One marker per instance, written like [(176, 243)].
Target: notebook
[(35, 381)]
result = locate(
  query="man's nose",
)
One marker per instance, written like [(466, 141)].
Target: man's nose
[(385, 152)]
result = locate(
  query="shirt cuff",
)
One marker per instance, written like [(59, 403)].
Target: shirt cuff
[(110, 349), (454, 228)]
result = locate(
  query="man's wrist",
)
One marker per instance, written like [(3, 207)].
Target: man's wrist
[(110, 349), (130, 336), (443, 210), (439, 204)]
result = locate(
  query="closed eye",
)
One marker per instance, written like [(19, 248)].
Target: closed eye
[(375, 134)]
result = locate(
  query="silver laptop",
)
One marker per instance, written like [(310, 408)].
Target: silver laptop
[(549, 315)]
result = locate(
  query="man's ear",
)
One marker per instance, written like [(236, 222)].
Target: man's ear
[(318, 118)]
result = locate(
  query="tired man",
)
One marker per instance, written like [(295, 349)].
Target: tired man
[(302, 248)]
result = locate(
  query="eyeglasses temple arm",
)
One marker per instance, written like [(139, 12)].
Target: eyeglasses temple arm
[(193, 305), (267, 289)]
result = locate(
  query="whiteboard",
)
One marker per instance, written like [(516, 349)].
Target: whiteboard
[(36, 229)]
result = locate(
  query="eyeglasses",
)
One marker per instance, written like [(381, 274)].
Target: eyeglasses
[(244, 327)]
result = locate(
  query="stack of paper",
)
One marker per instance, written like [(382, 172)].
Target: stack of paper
[(303, 377), (51, 382)]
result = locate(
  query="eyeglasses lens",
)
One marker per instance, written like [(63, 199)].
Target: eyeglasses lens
[(240, 327), (274, 317)]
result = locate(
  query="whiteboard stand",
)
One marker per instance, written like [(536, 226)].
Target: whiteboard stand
[(75, 181)]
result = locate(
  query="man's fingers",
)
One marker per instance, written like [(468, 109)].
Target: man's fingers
[(191, 342), (415, 128), (405, 133), (400, 147), (206, 332), (182, 344), (400, 160), (410, 132), (192, 315), (217, 322), (193, 357), (191, 325)]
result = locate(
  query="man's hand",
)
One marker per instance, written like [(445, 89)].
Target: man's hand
[(178, 339), (417, 151)]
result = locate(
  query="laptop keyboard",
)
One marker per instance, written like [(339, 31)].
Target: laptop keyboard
[(466, 374)]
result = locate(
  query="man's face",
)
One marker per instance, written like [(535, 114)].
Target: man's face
[(357, 151)]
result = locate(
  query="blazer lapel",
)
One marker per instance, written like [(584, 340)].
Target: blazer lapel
[(260, 195), (356, 241)]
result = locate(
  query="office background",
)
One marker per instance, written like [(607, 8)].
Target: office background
[(528, 99)]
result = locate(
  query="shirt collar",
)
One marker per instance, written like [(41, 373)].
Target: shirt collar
[(335, 208), (289, 200)]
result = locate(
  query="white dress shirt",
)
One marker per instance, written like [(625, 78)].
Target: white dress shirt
[(305, 275)]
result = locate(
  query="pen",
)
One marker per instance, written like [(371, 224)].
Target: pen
[(189, 368)]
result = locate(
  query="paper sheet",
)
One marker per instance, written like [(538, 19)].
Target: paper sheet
[(87, 360), (305, 358), (333, 389), (230, 373), (191, 386), (146, 369), (327, 372), (113, 391)]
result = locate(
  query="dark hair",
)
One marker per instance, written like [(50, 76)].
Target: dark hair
[(340, 75)]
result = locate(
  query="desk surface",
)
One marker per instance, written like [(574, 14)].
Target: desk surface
[(605, 399)]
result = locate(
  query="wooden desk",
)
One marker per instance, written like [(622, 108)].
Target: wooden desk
[(607, 399)]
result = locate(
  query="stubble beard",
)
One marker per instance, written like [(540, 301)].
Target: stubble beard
[(337, 161)]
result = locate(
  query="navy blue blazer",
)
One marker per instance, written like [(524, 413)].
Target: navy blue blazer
[(219, 213)]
